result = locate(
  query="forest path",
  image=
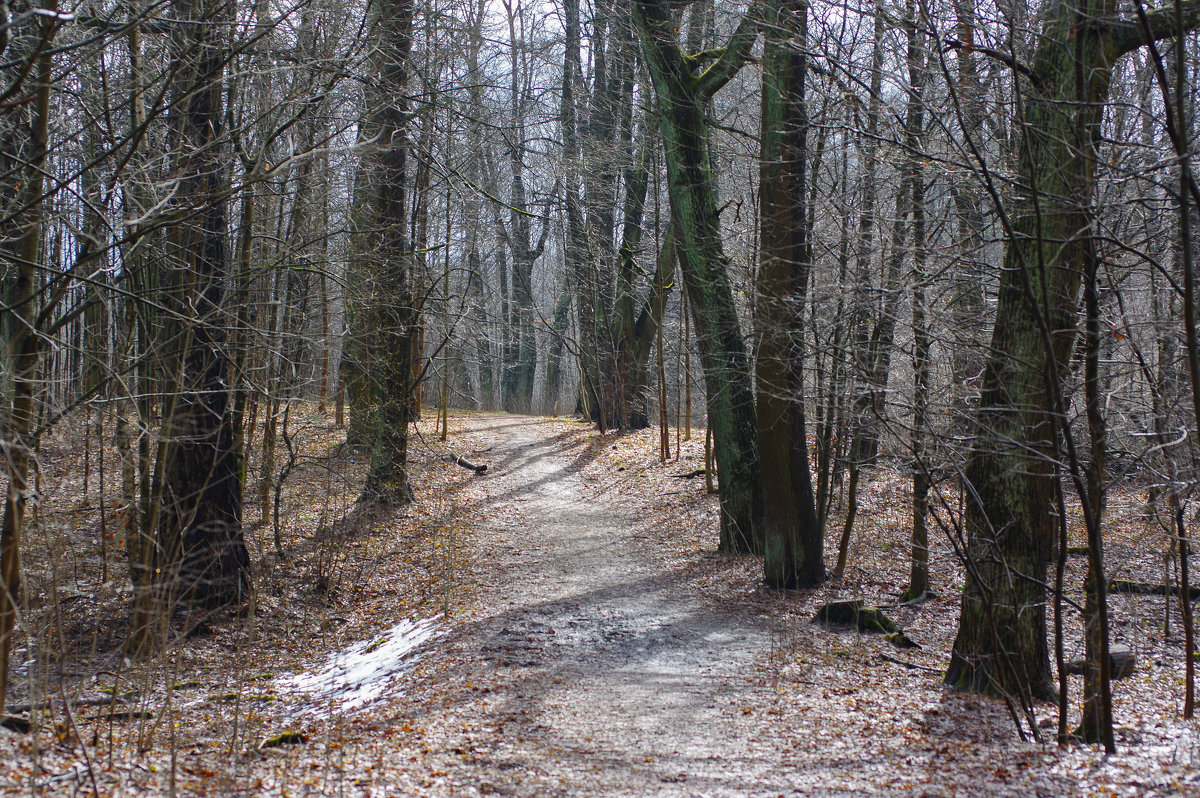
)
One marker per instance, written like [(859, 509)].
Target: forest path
[(591, 667)]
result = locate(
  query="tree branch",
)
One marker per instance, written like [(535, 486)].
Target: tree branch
[(1129, 35), (733, 55), (1007, 59)]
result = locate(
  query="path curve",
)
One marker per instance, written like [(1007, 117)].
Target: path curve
[(600, 672)]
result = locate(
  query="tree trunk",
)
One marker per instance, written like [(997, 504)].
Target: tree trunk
[(202, 554), (914, 134), (392, 317), (792, 538), (24, 231), (1001, 641), (682, 96)]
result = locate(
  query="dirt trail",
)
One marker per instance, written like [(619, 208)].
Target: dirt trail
[(596, 671), (605, 651)]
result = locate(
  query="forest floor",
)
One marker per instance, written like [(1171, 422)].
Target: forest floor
[(559, 625)]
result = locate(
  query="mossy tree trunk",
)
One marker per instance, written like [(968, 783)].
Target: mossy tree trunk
[(683, 85), (1001, 642)]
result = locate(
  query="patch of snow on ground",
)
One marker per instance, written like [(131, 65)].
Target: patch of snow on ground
[(362, 673)]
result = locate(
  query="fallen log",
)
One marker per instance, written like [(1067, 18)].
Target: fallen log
[(910, 665), (16, 724), (465, 463), (279, 740), (130, 714), (48, 704), (1149, 589)]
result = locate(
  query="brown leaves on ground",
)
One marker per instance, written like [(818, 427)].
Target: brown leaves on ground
[(822, 711)]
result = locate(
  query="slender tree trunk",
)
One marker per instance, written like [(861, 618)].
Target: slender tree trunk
[(967, 304), (914, 133), (1097, 690)]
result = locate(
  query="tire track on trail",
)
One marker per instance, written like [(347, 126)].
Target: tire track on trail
[(590, 668)]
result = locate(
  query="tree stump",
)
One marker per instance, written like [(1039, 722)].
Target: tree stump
[(856, 615)]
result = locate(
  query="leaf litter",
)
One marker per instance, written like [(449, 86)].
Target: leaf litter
[(589, 642)]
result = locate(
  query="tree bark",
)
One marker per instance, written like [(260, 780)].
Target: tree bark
[(914, 134), (1001, 640), (683, 90), (27, 146), (792, 538), (202, 554), (392, 316)]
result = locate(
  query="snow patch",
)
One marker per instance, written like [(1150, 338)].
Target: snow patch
[(362, 673)]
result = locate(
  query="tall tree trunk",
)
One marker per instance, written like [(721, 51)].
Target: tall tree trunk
[(24, 151), (1001, 640), (392, 316), (139, 279), (792, 538), (862, 310), (868, 395), (914, 135), (682, 96), (579, 265), (1097, 690), (202, 553)]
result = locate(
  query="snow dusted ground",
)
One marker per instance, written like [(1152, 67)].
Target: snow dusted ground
[(365, 672)]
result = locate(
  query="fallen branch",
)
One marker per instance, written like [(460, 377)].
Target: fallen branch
[(910, 665), (99, 701), (465, 463), (132, 714), (1149, 589)]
